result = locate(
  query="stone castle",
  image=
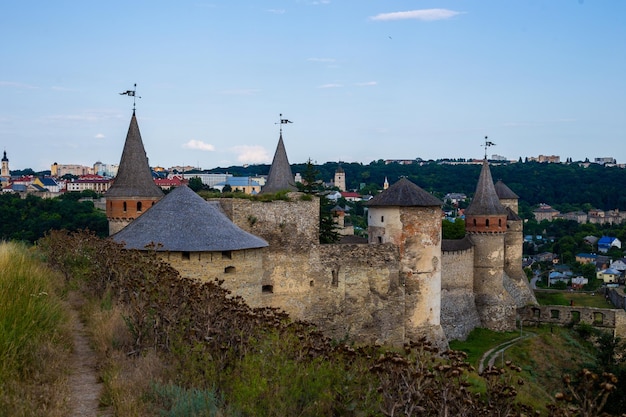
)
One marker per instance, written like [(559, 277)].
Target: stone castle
[(404, 283)]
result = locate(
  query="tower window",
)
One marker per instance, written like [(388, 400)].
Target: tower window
[(124, 206), (229, 270), (267, 289), (486, 222), (226, 254), (139, 206), (382, 219), (380, 239), (474, 222), (335, 280), (499, 222), (186, 256)]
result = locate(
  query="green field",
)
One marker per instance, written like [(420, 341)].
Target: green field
[(566, 298)]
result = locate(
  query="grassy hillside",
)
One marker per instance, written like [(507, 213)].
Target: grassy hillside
[(34, 341)]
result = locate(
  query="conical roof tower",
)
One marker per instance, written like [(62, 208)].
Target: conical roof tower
[(280, 177), (485, 214), (133, 190)]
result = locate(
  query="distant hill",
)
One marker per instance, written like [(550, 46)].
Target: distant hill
[(555, 184)]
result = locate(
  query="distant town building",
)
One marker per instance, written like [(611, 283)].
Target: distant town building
[(59, 170), (606, 243), (92, 182), (340, 179), (604, 160), (545, 212), (105, 170), (551, 159)]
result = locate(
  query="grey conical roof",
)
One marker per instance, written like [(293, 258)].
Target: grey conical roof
[(486, 201), (504, 192), (182, 221), (405, 194), (134, 178), (280, 177)]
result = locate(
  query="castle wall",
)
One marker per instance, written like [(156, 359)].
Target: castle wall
[(459, 315), (241, 271), (496, 307), (349, 291), (611, 320), (283, 224)]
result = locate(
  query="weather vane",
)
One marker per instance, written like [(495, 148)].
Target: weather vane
[(131, 93), (487, 144), (282, 122)]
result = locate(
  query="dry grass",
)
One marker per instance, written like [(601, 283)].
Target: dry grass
[(127, 378)]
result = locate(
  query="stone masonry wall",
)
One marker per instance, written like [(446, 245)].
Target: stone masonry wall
[(611, 320), (292, 225), (458, 309)]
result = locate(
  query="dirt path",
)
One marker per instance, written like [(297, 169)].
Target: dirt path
[(85, 388), (489, 358)]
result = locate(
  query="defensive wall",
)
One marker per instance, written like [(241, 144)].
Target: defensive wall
[(610, 320), (617, 297), (291, 224), (458, 309)]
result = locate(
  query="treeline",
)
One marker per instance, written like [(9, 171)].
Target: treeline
[(28, 219), (569, 185)]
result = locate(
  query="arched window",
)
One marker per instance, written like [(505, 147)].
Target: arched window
[(138, 206), (499, 222), (124, 206), (487, 222), (474, 222)]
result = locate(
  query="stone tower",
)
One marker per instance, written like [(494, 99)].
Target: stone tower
[(517, 283), (4, 172), (485, 224), (410, 218), (133, 191), (340, 178), (280, 177)]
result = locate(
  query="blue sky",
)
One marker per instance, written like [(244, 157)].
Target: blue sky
[(360, 80)]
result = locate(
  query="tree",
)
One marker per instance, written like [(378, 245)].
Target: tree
[(328, 227), (195, 183), (309, 178)]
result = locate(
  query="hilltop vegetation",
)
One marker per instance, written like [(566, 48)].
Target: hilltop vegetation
[(567, 185)]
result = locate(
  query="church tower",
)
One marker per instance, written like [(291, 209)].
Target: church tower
[(133, 191), (280, 177), (340, 178), (410, 218), (485, 225), (4, 172)]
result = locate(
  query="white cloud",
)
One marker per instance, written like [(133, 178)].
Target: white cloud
[(330, 86), (16, 85), (422, 14), (241, 92), (252, 154), (321, 59), (99, 136), (198, 145), (367, 84)]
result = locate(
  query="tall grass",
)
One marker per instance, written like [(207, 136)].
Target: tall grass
[(31, 323)]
